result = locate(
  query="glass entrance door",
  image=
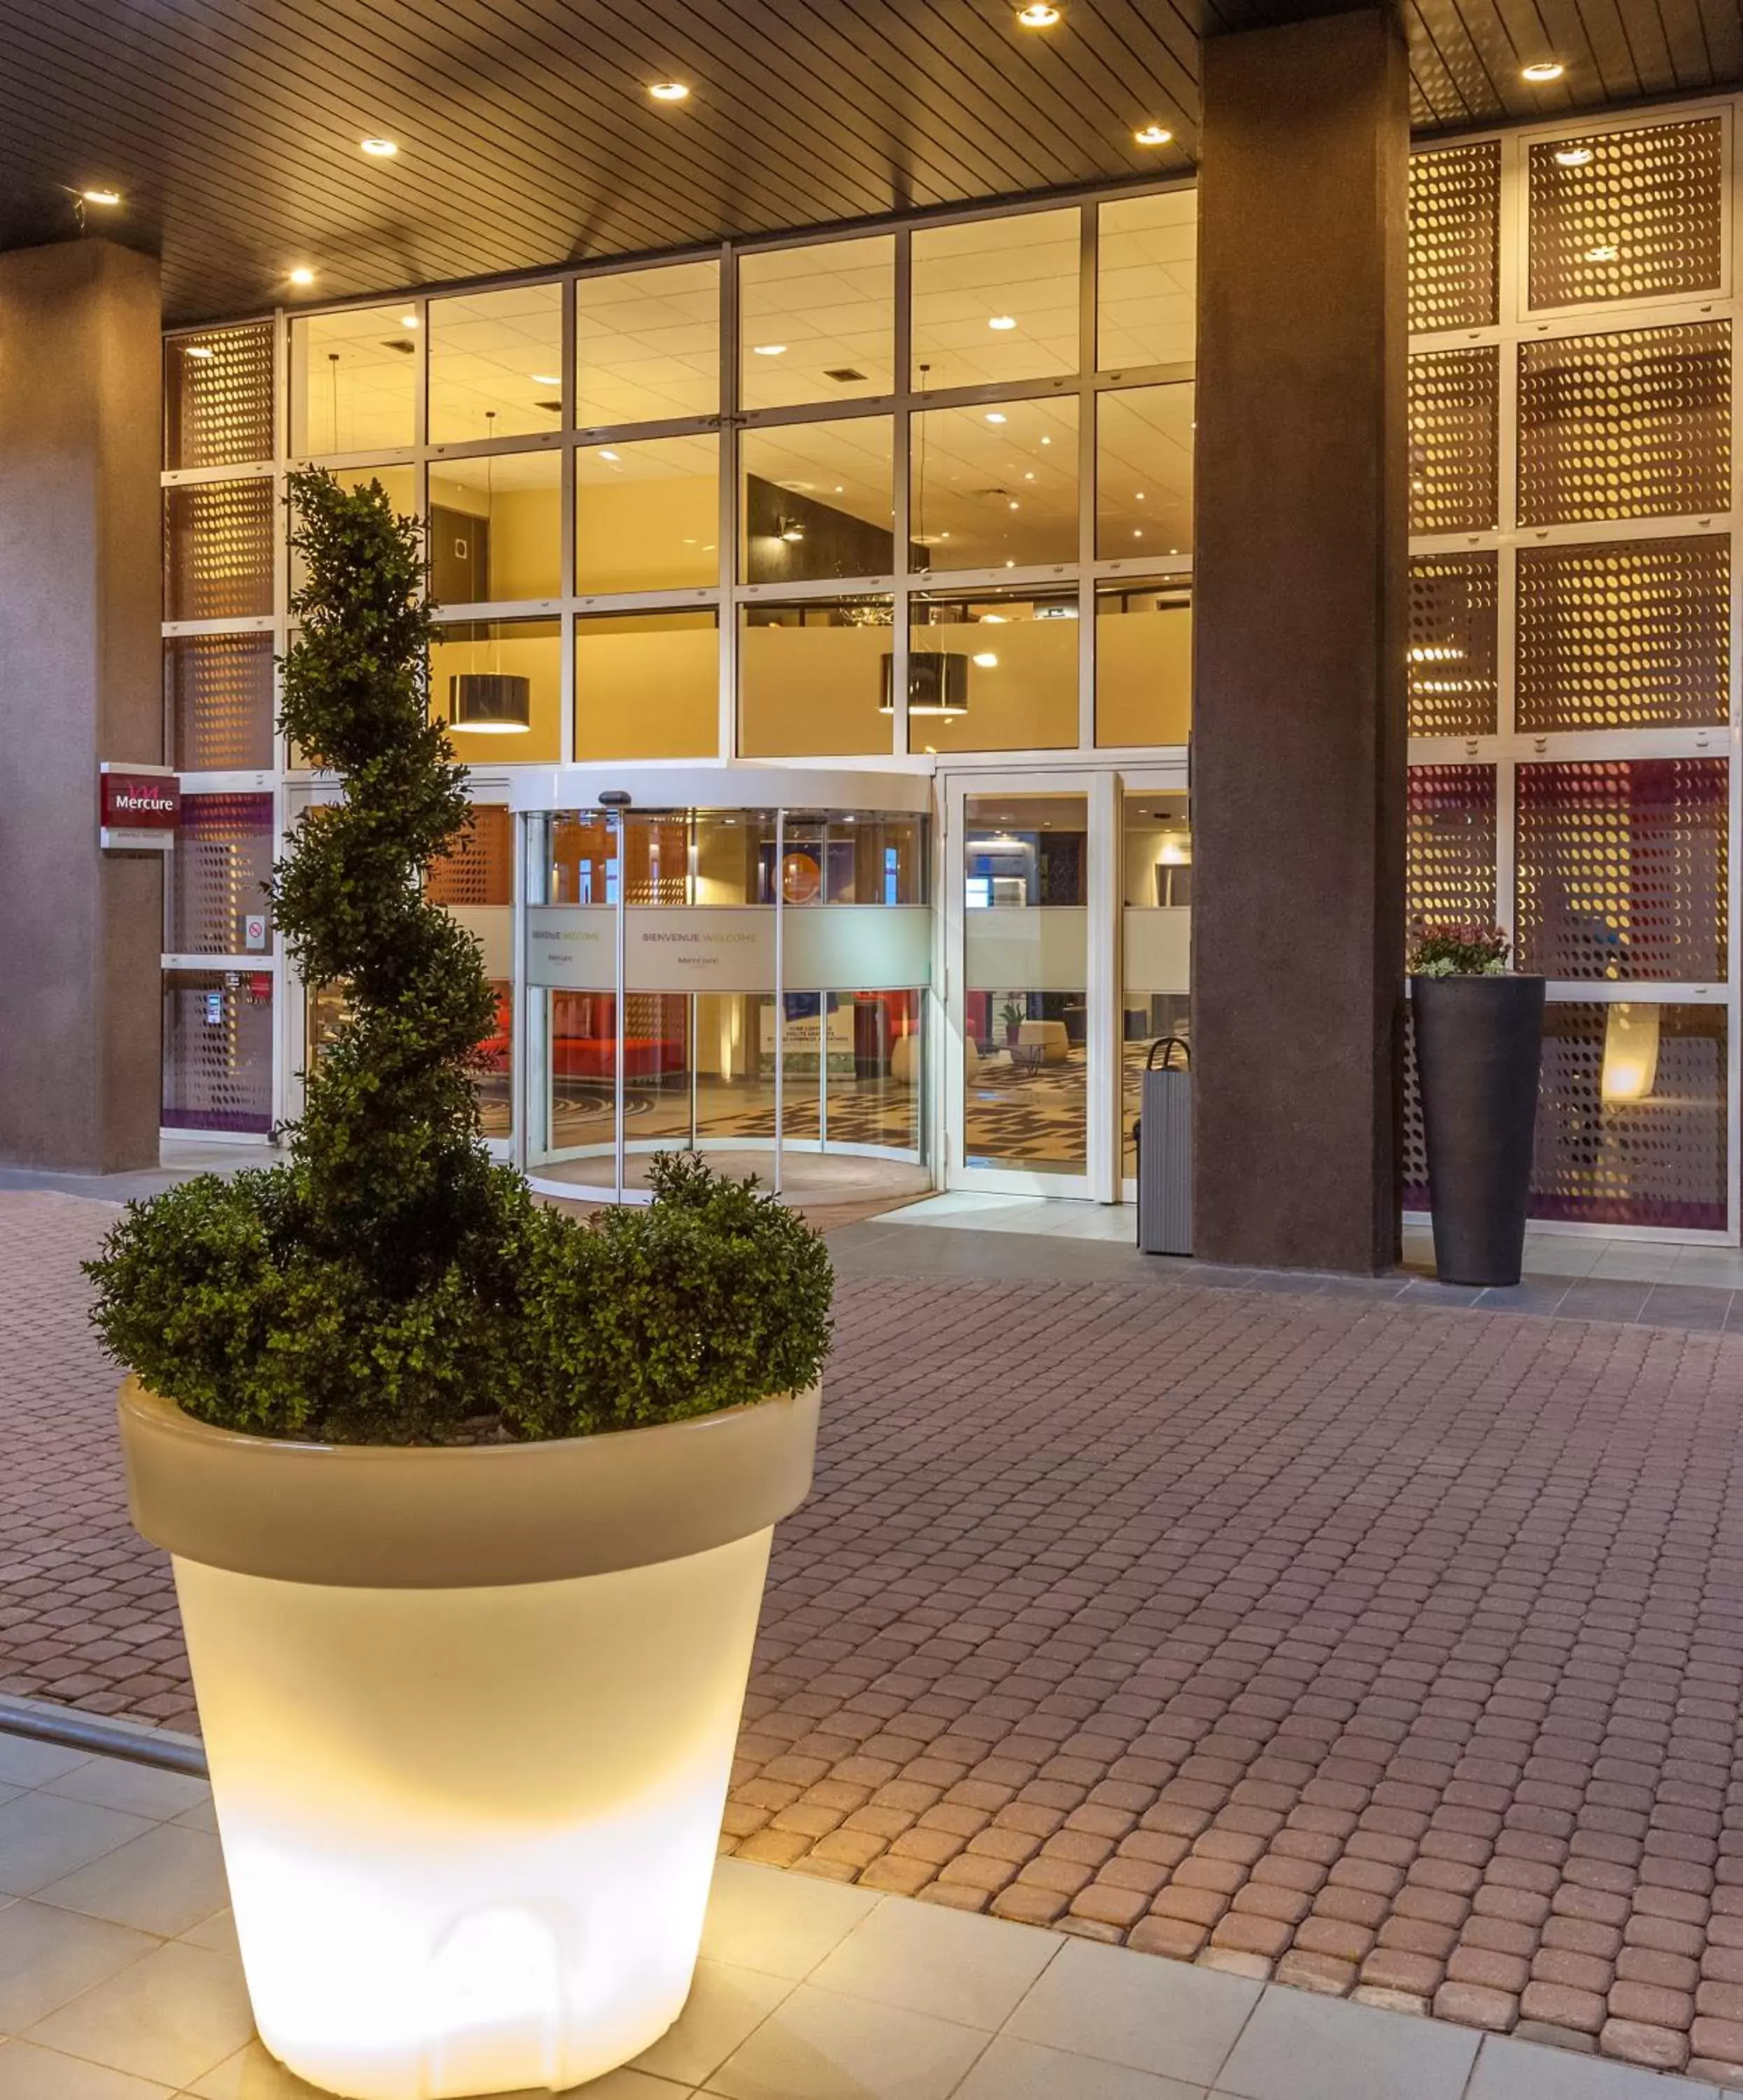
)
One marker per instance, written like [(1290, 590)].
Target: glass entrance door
[(1068, 910)]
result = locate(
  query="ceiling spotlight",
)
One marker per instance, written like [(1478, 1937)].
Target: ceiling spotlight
[(611, 456), (408, 321), (545, 379), (302, 275), (200, 350), (1153, 134), (994, 416), (1543, 69), (99, 195), (1002, 321), (769, 349), (378, 149), (1038, 15), (1573, 157), (986, 660), (669, 91), (1047, 441)]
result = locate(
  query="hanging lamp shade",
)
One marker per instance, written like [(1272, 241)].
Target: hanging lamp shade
[(938, 683), (496, 701)]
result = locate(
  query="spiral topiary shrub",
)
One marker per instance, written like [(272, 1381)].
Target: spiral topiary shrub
[(388, 1283)]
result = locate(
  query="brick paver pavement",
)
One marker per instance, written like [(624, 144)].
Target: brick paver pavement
[(1388, 1650)]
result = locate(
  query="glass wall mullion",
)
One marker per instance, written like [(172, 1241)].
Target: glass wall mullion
[(780, 987), (902, 549), (726, 536)]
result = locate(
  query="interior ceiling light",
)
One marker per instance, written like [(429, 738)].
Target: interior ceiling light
[(986, 660), (408, 321), (769, 349), (1002, 321), (200, 349), (1038, 15), (669, 91), (100, 196), (545, 379), (609, 456), (379, 149), (994, 416), (302, 275), (1543, 69), (1573, 157), (1153, 134)]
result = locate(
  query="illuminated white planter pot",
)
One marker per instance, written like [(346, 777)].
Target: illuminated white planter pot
[(471, 1714)]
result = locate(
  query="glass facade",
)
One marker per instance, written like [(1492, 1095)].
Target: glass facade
[(922, 497)]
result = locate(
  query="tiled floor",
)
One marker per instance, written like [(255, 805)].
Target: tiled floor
[(1292, 1628), (119, 1980)]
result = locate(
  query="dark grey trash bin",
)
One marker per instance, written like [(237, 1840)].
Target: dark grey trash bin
[(1164, 1139)]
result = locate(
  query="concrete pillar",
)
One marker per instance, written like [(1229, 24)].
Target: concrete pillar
[(81, 932), (1299, 635)]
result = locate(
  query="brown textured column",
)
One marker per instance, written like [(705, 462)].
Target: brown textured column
[(80, 931), (1299, 597)]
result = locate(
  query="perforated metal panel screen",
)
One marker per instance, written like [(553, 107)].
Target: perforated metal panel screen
[(1632, 1119), (1630, 634), (1455, 223), (218, 1050), (481, 870), (218, 874), (1633, 424), (218, 700), (1453, 662), (218, 397), (1449, 876), (1621, 869), (1454, 409), (1629, 215), (217, 549)]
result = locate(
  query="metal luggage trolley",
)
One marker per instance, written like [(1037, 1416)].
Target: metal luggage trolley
[(1164, 1133)]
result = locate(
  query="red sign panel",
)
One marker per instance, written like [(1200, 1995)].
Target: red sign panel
[(141, 801)]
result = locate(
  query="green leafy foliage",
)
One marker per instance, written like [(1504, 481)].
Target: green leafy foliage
[(389, 1283), (1458, 950)]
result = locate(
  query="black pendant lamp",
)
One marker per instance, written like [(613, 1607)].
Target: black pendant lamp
[(496, 703)]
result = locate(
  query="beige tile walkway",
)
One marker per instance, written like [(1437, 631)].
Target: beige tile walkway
[(119, 1980)]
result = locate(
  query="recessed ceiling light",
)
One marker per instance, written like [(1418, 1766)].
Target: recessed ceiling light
[(1002, 321), (1603, 253), (1047, 441), (1137, 532), (1015, 504), (1543, 69), (200, 349), (769, 349), (379, 149), (1029, 475), (545, 379), (986, 660), (302, 275), (609, 456), (1573, 157), (669, 91), (994, 416), (100, 196), (1153, 134), (1038, 15), (408, 321)]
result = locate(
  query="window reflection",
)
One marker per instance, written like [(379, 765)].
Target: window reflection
[(816, 502), (995, 487), (817, 323), (812, 678), (354, 380), (1146, 280), (1144, 473), (994, 673), (496, 364), (996, 300), (647, 345), (495, 528)]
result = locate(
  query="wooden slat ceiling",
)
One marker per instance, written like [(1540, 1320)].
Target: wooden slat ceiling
[(527, 138)]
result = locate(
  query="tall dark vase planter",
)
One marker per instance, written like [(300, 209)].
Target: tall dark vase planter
[(1479, 1044)]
